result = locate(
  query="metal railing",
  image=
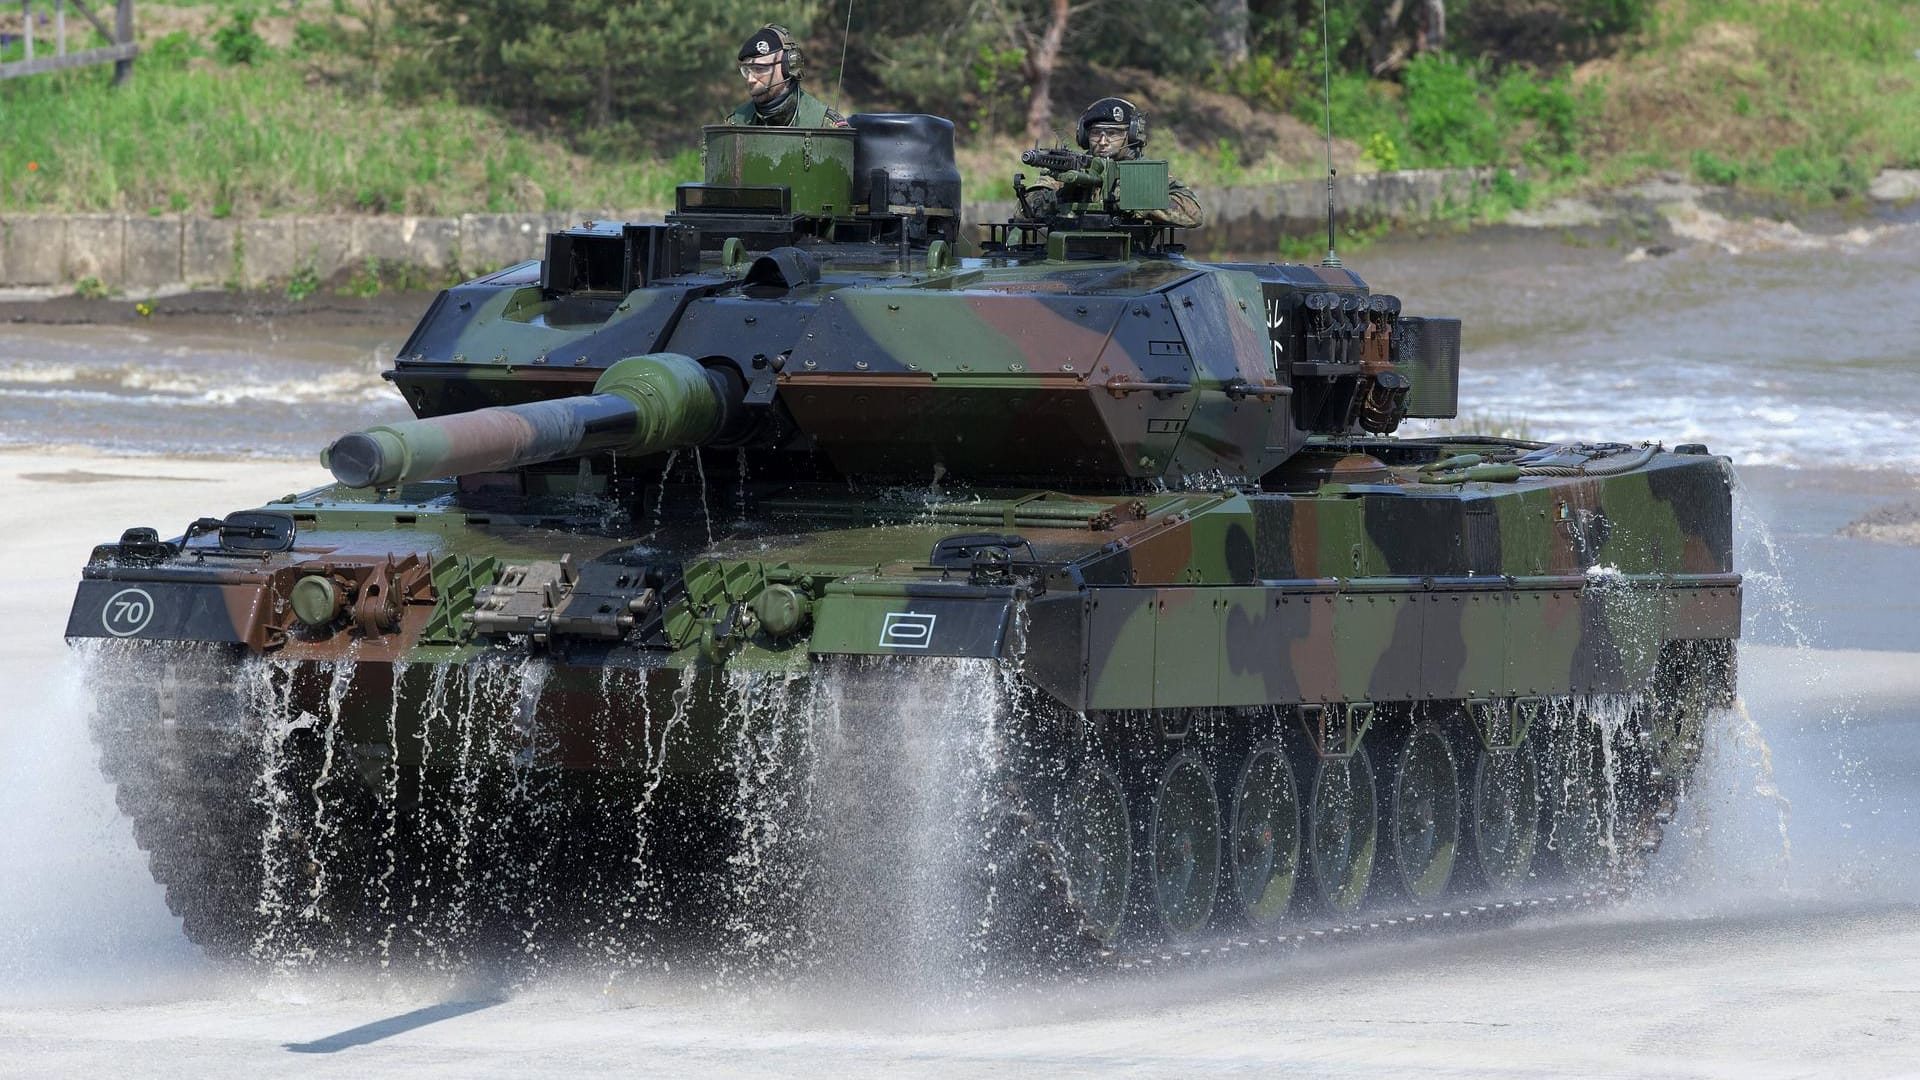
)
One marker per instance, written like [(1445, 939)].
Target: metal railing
[(52, 15)]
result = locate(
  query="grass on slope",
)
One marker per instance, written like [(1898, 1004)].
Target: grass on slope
[(190, 134), (1777, 96)]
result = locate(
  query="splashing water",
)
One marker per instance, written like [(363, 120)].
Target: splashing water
[(389, 837), (1749, 738), (863, 797), (771, 750), (1822, 709), (81, 917), (1786, 804), (900, 809), (700, 473), (623, 940), (740, 491), (660, 503), (421, 817)]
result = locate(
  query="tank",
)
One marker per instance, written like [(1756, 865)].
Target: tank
[(778, 580)]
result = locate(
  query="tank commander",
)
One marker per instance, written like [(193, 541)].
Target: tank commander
[(1115, 128), (772, 64)]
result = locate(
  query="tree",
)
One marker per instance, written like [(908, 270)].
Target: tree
[(1231, 22), (1038, 31), (592, 59), (1390, 51), (1432, 34)]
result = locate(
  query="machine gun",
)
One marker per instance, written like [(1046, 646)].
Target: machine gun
[(1057, 159), (1097, 183), (1083, 179)]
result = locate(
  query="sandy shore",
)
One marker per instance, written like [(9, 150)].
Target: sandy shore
[(1781, 941)]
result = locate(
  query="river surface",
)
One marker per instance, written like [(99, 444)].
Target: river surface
[(196, 385), (1779, 936)]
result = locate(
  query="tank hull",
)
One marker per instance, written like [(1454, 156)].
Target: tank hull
[(1147, 655)]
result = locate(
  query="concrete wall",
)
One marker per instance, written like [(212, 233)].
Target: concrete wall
[(138, 253)]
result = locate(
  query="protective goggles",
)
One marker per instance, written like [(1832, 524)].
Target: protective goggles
[(752, 69)]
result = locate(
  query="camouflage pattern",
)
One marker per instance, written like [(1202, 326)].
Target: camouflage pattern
[(1202, 599), (753, 440), (1183, 210)]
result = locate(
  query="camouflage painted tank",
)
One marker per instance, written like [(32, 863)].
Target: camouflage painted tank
[(776, 575)]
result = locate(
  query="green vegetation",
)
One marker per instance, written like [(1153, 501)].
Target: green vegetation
[(304, 283), (1805, 100), (375, 276), (277, 134), (250, 107)]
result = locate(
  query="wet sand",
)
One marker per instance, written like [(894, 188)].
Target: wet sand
[(1620, 995), (1750, 956)]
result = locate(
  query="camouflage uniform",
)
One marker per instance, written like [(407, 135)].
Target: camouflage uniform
[(795, 108)]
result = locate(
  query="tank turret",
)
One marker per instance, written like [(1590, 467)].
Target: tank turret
[(818, 271)]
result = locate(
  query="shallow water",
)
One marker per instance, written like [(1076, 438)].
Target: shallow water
[(251, 389), (1804, 357)]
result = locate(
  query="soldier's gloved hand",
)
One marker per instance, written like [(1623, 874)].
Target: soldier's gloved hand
[(1041, 202)]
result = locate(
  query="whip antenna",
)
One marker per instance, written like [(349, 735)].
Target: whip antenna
[(1326, 97), (846, 34)]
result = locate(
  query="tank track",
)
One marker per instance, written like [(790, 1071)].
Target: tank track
[(1060, 915), (189, 777), (1078, 946), (184, 786)]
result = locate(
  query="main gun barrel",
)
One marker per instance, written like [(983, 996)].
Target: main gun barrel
[(640, 405)]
